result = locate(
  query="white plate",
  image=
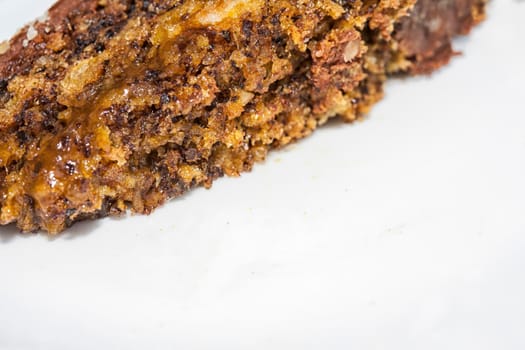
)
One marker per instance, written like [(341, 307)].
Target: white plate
[(406, 231)]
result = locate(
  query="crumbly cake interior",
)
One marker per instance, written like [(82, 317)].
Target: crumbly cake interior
[(115, 105)]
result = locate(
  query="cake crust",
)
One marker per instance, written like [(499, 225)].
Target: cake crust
[(115, 105)]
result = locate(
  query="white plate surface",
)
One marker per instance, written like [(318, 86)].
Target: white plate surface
[(406, 231)]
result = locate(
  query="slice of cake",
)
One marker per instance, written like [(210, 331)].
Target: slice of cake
[(115, 105)]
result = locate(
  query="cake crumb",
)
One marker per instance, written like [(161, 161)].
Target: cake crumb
[(4, 47)]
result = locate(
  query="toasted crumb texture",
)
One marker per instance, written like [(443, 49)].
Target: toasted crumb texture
[(115, 105)]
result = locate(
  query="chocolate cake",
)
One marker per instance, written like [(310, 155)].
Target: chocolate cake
[(109, 106)]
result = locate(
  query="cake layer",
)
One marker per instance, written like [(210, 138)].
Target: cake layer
[(111, 105)]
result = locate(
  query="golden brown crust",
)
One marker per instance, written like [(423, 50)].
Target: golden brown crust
[(119, 105)]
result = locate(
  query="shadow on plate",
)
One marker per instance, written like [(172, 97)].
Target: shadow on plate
[(11, 233)]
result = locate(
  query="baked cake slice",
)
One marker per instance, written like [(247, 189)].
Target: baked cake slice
[(115, 105)]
